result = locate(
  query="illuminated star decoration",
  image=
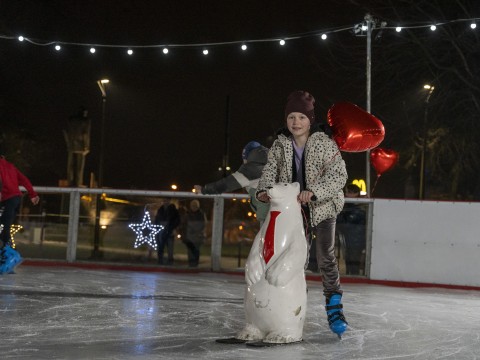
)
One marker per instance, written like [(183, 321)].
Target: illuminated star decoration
[(13, 230), (146, 232)]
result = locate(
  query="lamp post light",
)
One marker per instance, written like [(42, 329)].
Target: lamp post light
[(421, 187), (96, 239)]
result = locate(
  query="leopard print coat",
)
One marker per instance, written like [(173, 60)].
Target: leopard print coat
[(325, 173)]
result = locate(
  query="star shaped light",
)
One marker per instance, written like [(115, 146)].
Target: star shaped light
[(13, 230), (146, 232)]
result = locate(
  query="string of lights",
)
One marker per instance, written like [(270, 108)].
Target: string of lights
[(359, 29)]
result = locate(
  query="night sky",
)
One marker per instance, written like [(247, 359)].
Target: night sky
[(166, 114)]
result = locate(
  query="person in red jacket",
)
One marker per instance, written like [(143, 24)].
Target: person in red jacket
[(10, 196)]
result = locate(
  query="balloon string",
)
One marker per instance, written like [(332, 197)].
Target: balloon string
[(375, 185)]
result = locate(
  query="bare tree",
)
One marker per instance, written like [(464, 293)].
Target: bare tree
[(402, 62)]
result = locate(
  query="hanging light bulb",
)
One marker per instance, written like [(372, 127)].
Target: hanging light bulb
[(398, 29), (433, 28), (58, 47), (244, 47), (165, 50), (130, 52), (205, 52), (473, 25), (92, 50), (21, 38), (282, 42), (324, 36)]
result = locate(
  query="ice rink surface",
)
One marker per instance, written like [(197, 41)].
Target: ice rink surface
[(71, 313)]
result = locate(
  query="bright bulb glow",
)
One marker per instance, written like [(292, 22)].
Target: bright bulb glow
[(21, 38), (57, 47), (244, 47), (165, 50), (282, 42), (104, 81), (473, 25), (205, 52), (433, 28), (364, 27), (427, 86), (398, 29), (130, 52), (174, 187), (92, 50), (324, 36)]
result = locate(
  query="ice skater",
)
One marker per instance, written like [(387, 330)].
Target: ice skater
[(254, 157), (304, 153), (10, 196)]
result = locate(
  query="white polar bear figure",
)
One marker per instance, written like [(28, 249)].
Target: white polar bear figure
[(276, 292)]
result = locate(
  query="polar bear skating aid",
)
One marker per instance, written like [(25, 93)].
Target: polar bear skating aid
[(276, 292)]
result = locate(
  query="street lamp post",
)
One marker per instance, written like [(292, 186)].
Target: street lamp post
[(421, 187), (370, 24), (96, 240), (102, 85)]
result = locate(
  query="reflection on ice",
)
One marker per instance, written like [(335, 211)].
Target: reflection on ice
[(54, 313)]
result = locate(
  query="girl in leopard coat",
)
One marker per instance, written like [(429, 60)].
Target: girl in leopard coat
[(304, 153)]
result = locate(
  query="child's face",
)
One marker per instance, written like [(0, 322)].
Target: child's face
[(298, 124)]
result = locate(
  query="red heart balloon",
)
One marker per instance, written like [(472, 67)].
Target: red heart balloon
[(354, 129), (383, 159)]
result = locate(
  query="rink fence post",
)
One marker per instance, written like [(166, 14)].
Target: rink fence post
[(74, 211), (217, 233)]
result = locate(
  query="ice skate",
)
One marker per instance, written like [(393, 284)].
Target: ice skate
[(336, 319), (9, 259)]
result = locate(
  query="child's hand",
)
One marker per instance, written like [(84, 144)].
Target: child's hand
[(305, 197)]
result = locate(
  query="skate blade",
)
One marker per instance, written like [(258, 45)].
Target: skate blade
[(12, 269), (262, 343), (231, 340)]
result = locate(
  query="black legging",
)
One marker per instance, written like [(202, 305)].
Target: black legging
[(10, 208)]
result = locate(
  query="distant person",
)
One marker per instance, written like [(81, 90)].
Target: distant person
[(351, 224), (195, 221), (169, 217), (303, 152), (254, 158), (10, 197)]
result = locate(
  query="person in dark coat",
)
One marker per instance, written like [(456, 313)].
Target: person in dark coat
[(195, 221), (167, 216), (254, 158), (351, 224)]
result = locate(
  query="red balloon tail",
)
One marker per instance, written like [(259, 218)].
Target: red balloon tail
[(375, 185)]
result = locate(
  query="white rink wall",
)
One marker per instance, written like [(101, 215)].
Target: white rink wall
[(426, 242)]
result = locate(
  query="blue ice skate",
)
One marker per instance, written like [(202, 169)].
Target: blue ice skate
[(336, 319), (9, 259)]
